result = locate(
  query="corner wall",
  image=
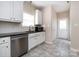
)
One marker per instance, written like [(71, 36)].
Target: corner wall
[(49, 22), (74, 25)]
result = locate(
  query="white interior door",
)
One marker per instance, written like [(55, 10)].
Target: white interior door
[(63, 28)]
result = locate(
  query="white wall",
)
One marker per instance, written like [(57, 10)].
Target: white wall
[(54, 24), (49, 21), (74, 25)]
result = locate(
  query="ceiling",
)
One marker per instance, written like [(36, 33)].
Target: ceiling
[(59, 6)]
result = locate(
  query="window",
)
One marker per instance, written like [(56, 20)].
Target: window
[(63, 24), (28, 19)]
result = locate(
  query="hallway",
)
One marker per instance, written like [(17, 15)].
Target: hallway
[(59, 48)]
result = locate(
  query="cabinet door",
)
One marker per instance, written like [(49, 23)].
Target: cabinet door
[(5, 10), (5, 47), (33, 40), (31, 43), (5, 50), (40, 17), (18, 10)]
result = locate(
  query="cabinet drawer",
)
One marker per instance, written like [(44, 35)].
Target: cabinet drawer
[(4, 40), (34, 35)]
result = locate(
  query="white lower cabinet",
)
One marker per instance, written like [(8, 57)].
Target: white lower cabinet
[(5, 47), (35, 39)]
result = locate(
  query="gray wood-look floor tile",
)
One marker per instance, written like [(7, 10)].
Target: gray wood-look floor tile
[(59, 48)]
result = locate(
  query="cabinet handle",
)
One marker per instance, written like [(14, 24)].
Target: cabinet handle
[(3, 40), (36, 38), (6, 46), (12, 18)]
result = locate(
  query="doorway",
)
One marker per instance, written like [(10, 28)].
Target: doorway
[(63, 26)]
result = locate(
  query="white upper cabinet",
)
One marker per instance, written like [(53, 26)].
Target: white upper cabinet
[(18, 10), (38, 17), (11, 11), (5, 10)]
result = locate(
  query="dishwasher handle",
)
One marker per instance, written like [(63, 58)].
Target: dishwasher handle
[(16, 38)]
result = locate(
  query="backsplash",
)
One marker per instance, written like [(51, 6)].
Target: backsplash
[(6, 27)]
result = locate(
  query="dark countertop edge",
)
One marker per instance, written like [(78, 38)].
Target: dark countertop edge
[(17, 33)]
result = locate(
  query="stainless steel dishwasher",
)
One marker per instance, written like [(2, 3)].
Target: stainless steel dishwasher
[(19, 45)]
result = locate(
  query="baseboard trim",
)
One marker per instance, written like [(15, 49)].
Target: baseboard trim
[(69, 42), (76, 50), (48, 42)]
